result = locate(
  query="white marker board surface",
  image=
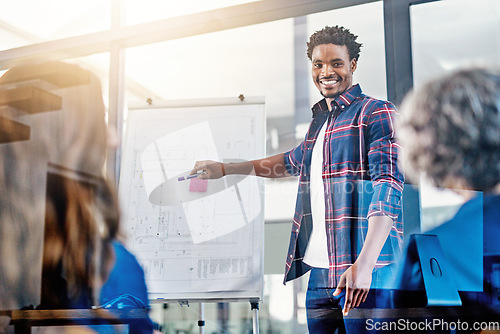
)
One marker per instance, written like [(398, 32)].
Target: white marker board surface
[(195, 240)]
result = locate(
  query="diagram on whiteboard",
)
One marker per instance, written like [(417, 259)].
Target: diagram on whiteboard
[(194, 238)]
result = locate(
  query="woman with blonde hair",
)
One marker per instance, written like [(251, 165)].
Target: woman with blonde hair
[(59, 213)]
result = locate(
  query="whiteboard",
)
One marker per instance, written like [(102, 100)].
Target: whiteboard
[(195, 240)]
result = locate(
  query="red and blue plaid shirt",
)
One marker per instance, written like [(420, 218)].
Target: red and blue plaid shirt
[(361, 178)]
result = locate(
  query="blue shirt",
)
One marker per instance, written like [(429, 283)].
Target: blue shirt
[(126, 288)]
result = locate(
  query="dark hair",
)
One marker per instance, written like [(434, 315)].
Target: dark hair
[(450, 128), (334, 35)]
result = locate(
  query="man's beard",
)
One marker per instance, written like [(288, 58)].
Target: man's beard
[(332, 95)]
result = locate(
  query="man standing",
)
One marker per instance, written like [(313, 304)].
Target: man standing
[(347, 225)]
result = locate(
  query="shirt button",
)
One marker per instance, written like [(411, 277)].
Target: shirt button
[(342, 106)]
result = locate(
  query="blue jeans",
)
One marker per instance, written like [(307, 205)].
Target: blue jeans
[(324, 311)]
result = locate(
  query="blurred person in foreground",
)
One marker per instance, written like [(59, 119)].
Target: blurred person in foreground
[(450, 133), (58, 209)]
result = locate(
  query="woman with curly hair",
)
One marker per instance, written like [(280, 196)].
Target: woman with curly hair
[(450, 133), (450, 130)]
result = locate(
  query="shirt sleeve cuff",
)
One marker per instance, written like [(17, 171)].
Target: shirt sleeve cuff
[(291, 167), (386, 201)]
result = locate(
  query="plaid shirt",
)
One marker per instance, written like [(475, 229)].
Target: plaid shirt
[(361, 179)]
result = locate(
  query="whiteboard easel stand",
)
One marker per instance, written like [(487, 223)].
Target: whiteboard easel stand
[(201, 322), (254, 304)]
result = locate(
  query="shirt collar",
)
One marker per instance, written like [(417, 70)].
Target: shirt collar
[(343, 101)]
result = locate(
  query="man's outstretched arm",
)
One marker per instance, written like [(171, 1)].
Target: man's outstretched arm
[(271, 167)]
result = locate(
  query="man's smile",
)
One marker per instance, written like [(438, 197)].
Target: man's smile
[(328, 82)]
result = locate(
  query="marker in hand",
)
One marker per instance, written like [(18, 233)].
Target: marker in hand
[(182, 178)]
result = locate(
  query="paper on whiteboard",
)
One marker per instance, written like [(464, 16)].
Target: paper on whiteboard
[(175, 153), (221, 213), (210, 214), (184, 257)]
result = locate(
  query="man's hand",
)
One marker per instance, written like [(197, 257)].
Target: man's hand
[(209, 169), (356, 281)]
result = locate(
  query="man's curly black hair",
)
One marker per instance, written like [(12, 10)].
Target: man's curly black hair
[(334, 35)]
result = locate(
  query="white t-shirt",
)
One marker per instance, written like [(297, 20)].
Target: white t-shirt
[(317, 249)]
